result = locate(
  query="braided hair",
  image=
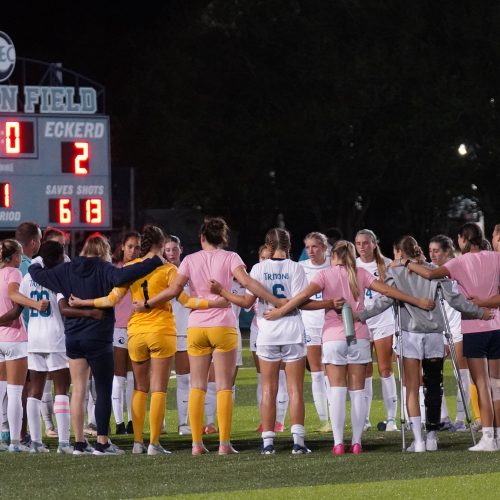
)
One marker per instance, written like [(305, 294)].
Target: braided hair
[(278, 239), (151, 236), (410, 247), (473, 236), (216, 231)]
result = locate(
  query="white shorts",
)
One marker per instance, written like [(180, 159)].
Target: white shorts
[(457, 337), (337, 352), (285, 353), (421, 345), (381, 332), (120, 338), (9, 351), (314, 336), (253, 337), (239, 352), (47, 361), (182, 344)]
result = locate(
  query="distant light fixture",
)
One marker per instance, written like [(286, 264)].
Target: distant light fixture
[(462, 150)]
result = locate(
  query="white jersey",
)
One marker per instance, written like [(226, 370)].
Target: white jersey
[(237, 289), (313, 319), (181, 314), (284, 279), (45, 329), (387, 317)]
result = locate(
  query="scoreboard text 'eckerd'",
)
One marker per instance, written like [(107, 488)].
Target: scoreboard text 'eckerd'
[(54, 151)]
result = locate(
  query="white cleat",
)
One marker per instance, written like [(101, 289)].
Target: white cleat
[(391, 426), (416, 447), (485, 444), (367, 426), (184, 430), (157, 449), (431, 444), (139, 448)]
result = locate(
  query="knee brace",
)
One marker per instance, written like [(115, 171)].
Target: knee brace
[(433, 384), (495, 388)]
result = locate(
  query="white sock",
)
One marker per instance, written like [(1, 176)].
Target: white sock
[(268, 438), (15, 411), (444, 409), (210, 403), (281, 398), (421, 402), (62, 411), (358, 414), (390, 395), (416, 427), (431, 434), (488, 432), (128, 394), (337, 400), (465, 377), (182, 397), (319, 395), (497, 432), (33, 407), (117, 398), (368, 396), (3, 405), (298, 433), (47, 406)]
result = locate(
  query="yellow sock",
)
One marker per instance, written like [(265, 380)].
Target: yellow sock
[(475, 401), (156, 414), (196, 409), (225, 414), (139, 400)]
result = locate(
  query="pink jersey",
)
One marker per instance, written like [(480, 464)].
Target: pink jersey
[(478, 275), (335, 284), (15, 332), (123, 309), (202, 266)]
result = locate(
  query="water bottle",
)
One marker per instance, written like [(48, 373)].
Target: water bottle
[(350, 332)]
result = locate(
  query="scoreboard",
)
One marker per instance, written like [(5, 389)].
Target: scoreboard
[(55, 170)]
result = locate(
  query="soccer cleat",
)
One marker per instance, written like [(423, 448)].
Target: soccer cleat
[(227, 449), (51, 432), (82, 448), (38, 448), (209, 429), (259, 429), (130, 427), (198, 449), (325, 426), (107, 449), (115, 448), (391, 426), (416, 447), (279, 427), (18, 448), (139, 448), (446, 425), (356, 449), (367, 426), (90, 430), (5, 437), (184, 430), (120, 428), (300, 450), (485, 444), (338, 449), (157, 449), (65, 448), (431, 444), (268, 450), (4, 446), (26, 440), (459, 426)]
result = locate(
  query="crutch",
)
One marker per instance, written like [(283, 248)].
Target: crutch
[(400, 364), (454, 361)]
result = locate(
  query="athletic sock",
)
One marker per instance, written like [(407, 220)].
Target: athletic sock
[(444, 409), (156, 414), (319, 395), (416, 427), (497, 432), (182, 397), (358, 414), (195, 409), (128, 394), (3, 404), (465, 378), (47, 405), (368, 396), (33, 413), (117, 397), (390, 395), (474, 399), (225, 414), (15, 410), (210, 403), (421, 402), (298, 433), (488, 432), (139, 401), (337, 400), (62, 413), (281, 398), (268, 438)]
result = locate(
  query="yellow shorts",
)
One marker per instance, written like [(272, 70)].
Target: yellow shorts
[(143, 346), (203, 341)]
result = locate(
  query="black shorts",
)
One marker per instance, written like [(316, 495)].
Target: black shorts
[(482, 345), (88, 348)]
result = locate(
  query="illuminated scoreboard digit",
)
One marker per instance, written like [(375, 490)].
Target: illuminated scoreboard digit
[(55, 170)]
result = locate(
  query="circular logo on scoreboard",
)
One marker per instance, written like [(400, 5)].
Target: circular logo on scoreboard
[(7, 56)]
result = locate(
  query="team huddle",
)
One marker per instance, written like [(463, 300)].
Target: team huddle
[(112, 332)]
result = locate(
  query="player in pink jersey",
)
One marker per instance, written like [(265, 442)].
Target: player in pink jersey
[(477, 273)]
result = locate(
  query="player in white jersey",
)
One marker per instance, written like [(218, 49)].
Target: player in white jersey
[(381, 328), (316, 245)]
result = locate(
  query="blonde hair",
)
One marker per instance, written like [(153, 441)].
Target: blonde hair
[(97, 245), (377, 253), (9, 248), (346, 253), (278, 239), (320, 237)]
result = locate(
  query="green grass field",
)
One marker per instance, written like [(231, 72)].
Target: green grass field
[(382, 471)]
